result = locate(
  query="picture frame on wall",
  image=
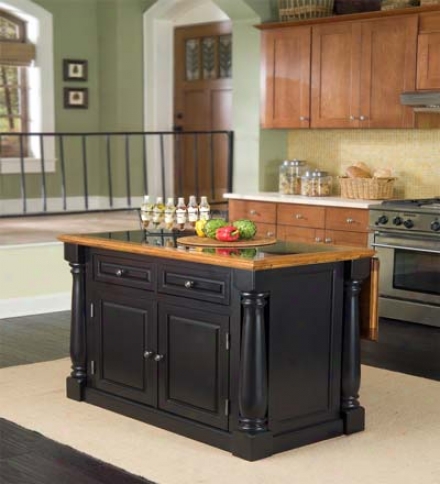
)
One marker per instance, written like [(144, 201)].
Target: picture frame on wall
[(75, 70), (76, 98)]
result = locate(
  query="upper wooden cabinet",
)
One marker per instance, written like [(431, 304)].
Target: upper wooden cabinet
[(428, 54), (285, 81), (359, 70)]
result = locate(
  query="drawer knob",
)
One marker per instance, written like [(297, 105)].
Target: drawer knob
[(327, 240), (299, 216), (119, 272), (189, 284), (318, 239), (252, 212), (363, 118), (270, 234), (158, 358), (352, 118), (350, 221), (148, 354), (304, 118)]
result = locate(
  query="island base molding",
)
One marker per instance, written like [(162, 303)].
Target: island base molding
[(250, 446)]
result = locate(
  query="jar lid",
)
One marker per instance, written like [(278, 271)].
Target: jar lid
[(315, 174), (294, 163)]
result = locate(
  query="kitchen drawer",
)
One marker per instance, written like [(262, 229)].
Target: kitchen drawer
[(256, 211), (124, 272), (266, 230), (299, 234), (206, 284), (342, 237), (301, 215), (347, 219)]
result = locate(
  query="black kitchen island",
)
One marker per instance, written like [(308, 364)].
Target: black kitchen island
[(253, 350)]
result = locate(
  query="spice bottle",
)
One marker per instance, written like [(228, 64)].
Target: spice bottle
[(146, 211), (193, 211), (204, 209), (181, 213), (170, 212)]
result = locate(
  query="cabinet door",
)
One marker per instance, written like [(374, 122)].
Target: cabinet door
[(124, 329), (343, 237), (428, 51), (335, 75), (285, 79), (193, 373), (388, 68), (290, 233)]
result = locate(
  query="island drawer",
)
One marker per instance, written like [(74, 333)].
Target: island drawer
[(207, 284), (124, 271), (301, 215)]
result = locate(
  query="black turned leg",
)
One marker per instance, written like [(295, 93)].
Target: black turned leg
[(252, 440), (77, 379), (353, 413)]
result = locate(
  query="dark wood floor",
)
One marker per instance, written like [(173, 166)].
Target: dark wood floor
[(27, 457)]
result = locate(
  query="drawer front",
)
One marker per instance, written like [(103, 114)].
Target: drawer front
[(341, 237), (266, 230), (301, 215), (348, 219), (256, 211), (124, 272), (207, 284), (299, 234)]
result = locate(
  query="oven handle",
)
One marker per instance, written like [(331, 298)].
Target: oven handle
[(405, 247)]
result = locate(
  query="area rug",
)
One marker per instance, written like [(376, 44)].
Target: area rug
[(401, 444)]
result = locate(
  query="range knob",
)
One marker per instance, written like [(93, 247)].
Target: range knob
[(435, 226), (383, 219), (397, 221), (409, 224)]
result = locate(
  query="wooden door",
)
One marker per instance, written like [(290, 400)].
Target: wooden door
[(194, 371), (202, 102), (428, 53), (124, 329), (335, 75), (285, 78), (388, 68)]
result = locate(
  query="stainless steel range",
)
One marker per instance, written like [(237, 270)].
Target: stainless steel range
[(407, 240)]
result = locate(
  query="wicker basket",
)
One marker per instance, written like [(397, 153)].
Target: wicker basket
[(367, 188), (393, 4), (304, 9)]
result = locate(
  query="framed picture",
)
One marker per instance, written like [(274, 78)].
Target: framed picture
[(75, 70), (76, 98)]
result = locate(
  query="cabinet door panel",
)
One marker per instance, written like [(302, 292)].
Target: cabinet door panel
[(256, 211), (335, 75), (286, 78), (428, 61), (125, 328), (341, 237), (299, 234), (388, 69), (193, 374)]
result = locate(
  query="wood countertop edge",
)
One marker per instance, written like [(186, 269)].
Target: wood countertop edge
[(219, 260)]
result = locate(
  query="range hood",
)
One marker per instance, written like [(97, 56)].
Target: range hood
[(422, 101)]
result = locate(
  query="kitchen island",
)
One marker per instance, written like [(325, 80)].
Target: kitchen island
[(252, 350)]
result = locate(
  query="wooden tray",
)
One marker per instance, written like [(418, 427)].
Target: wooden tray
[(207, 242)]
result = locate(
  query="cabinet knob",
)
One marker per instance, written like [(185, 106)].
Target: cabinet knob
[(148, 354), (298, 216), (318, 239), (327, 240), (304, 118), (353, 118), (119, 272), (350, 220), (270, 234), (158, 358), (362, 118), (252, 212), (189, 284)]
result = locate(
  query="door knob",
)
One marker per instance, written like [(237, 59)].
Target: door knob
[(158, 358), (119, 272), (148, 354), (189, 284)]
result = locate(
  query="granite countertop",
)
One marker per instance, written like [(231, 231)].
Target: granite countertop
[(322, 201), (165, 245)]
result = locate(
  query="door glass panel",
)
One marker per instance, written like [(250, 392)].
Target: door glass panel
[(192, 52), (9, 30), (225, 56), (416, 271), (208, 56)]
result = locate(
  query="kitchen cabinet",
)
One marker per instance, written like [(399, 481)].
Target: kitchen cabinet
[(359, 70), (285, 78), (428, 53), (263, 214), (206, 344)]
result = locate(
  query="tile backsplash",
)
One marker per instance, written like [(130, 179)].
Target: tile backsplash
[(412, 155)]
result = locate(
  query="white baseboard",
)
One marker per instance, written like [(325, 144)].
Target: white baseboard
[(26, 306)]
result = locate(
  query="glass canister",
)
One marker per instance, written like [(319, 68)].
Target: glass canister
[(290, 173), (316, 184)]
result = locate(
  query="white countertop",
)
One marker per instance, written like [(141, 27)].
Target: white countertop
[(322, 201)]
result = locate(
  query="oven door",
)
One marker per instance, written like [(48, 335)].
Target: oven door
[(409, 280)]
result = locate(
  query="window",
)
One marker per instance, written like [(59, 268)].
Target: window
[(16, 54)]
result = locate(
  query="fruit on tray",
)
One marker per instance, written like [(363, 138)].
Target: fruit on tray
[(247, 228), (228, 233), (200, 227), (212, 225)]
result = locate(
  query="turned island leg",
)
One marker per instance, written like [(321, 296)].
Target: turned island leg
[(252, 440), (353, 413), (77, 379)]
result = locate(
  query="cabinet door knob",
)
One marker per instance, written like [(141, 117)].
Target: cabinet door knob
[(298, 216), (252, 212), (270, 234), (327, 240), (158, 358), (318, 239), (362, 118), (148, 354), (189, 284), (119, 273), (304, 118), (353, 118), (349, 220)]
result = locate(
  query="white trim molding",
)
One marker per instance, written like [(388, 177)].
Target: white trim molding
[(26, 306)]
